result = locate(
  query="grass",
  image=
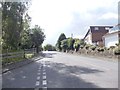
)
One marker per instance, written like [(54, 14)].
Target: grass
[(11, 60), (28, 56), (10, 51), (16, 59)]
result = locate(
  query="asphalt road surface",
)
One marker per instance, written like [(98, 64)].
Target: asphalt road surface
[(61, 70)]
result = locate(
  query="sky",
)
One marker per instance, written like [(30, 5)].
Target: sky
[(71, 16)]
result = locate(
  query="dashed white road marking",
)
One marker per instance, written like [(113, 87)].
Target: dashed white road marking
[(44, 88), (38, 78), (44, 82), (24, 77), (12, 78), (44, 73), (37, 83), (44, 77), (44, 65)]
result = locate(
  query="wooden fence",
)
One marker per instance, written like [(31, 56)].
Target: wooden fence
[(11, 55)]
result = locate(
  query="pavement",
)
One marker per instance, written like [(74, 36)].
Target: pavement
[(20, 63), (61, 70)]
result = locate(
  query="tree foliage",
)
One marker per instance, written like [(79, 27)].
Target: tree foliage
[(12, 23), (77, 44), (49, 47), (37, 37), (70, 42), (64, 45), (67, 44), (61, 37)]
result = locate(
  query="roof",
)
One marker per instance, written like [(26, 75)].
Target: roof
[(86, 34), (115, 28), (111, 33), (101, 29)]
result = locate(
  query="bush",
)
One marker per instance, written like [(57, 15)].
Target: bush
[(112, 47), (93, 47), (117, 51), (101, 49), (87, 46), (81, 46)]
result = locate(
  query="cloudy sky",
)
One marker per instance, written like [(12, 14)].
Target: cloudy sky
[(72, 16)]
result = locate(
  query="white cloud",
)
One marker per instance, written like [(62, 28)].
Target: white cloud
[(109, 16), (70, 16)]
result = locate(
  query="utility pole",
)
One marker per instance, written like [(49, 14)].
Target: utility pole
[(72, 35)]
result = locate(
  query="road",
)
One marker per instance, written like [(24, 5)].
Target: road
[(61, 70)]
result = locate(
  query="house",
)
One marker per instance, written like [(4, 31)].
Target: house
[(95, 33), (112, 38)]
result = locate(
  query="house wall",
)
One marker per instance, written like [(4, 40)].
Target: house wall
[(88, 39), (111, 40)]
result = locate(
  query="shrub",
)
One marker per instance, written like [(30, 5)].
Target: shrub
[(101, 49), (112, 47), (117, 51), (93, 47), (87, 46), (81, 46)]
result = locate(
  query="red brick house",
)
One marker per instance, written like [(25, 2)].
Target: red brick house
[(95, 33)]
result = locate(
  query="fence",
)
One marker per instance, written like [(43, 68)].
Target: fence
[(11, 57)]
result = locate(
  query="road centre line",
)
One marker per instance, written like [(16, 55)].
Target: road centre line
[(44, 88), (44, 77), (44, 73), (37, 83), (44, 82), (38, 78)]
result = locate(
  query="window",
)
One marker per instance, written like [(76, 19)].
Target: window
[(96, 28)]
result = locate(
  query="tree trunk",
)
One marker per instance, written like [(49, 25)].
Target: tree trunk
[(37, 49)]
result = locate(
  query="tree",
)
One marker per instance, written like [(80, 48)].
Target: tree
[(64, 45), (12, 23), (76, 44), (49, 47), (70, 43), (37, 37), (26, 41), (61, 37)]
